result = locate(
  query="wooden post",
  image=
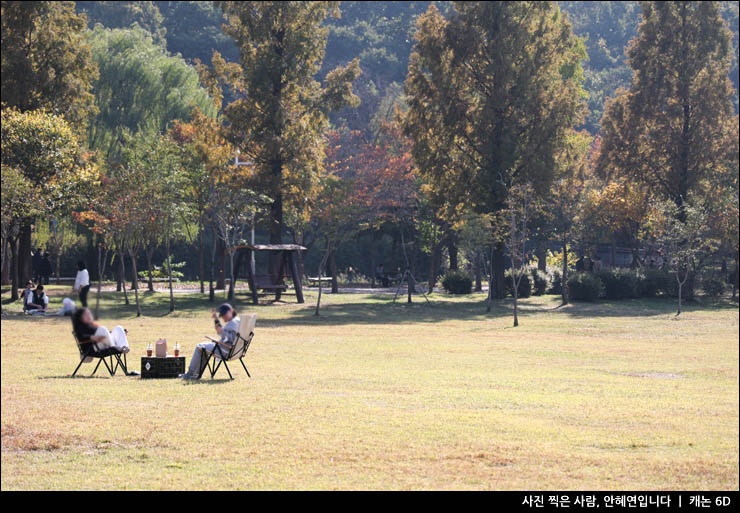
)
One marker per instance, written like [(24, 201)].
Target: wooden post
[(280, 274), (250, 278), (296, 276)]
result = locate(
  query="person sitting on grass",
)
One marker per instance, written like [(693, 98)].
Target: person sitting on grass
[(87, 330), (36, 301), (227, 338), (27, 293)]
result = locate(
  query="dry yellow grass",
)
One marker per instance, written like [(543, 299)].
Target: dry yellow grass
[(378, 396)]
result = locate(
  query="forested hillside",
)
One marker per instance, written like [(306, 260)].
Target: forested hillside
[(381, 35)]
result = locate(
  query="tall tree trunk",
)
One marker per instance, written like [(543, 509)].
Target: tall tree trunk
[(221, 253), (201, 264), (489, 301), (276, 211), (169, 275), (516, 297), (211, 277), (541, 255), (680, 286), (333, 270), (24, 254), (498, 264), (564, 275), (135, 283), (118, 275), (150, 282), (232, 275), (373, 259), (101, 271), (122, 268), (321, 271), (452, 251), (14, 271), (58, 267), (433, 268), (614, 253), (478, 272), (6, 262)]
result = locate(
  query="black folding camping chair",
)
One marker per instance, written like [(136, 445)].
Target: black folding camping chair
[(223, 353), (110, 357)]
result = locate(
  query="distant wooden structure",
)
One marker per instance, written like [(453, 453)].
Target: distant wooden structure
[(269, 282)]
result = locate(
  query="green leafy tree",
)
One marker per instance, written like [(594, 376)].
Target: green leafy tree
[(141, 88), (18, 204), (46, 61), (681, 239), (492, 95), (204, 154), (521, 207), (124, 15), (153, 161), (338, 218), (45, 149), (563, 206), (607, 28), (281, 110), (670, 129), (45, 64)]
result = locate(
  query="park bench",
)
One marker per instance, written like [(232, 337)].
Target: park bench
[(88, 352), (314, 280), (266, 282), (223, 353)]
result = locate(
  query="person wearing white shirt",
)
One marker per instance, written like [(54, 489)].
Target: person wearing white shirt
[(36, 301), (82, 282)]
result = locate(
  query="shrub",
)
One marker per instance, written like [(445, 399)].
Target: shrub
[(457, 282), (162, 272), (619, 283), (713, 286), (585, 286), (555, 281), (652, 282), (540, 281), (525, 285)]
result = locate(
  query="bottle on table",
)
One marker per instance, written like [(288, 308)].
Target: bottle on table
[(177, 349), (149, 349)]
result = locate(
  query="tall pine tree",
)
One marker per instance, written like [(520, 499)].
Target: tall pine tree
[(281, 111), (670, 130), (492, 94)]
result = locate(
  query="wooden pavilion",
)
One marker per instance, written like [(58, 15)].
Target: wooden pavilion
[(271, 281)]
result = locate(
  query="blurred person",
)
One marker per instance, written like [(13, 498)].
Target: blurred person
[(82, 283)]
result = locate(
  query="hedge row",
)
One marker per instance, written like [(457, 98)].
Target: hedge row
[(625, 284), (609, 284)]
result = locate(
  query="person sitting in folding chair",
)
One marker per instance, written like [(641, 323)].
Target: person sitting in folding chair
[(227, 337), (86, 328)]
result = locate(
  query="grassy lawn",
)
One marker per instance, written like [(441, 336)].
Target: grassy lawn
[(612, 395)]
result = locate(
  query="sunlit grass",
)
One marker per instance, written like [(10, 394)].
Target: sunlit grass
[(615, 395)]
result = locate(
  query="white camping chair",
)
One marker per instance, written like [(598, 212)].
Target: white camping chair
[(223, 353)]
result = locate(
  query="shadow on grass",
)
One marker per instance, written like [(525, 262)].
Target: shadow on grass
[(79, 376), (206, 381), (380, 309), (645, 307)]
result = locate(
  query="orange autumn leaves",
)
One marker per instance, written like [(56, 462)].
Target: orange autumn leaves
[(381, 172)]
